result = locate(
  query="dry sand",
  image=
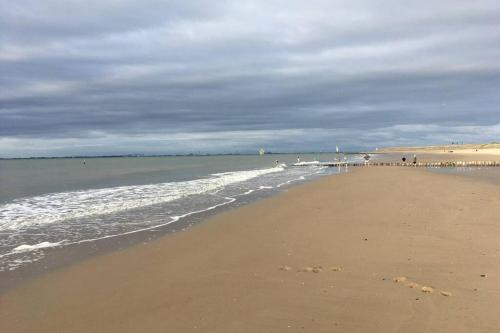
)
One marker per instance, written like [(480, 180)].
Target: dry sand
[(376, 250), (437, 156), (463, 153), (466, 152)]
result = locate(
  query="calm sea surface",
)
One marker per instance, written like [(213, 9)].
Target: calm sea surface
[(48, 203)]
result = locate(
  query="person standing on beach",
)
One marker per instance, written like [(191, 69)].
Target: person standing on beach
[(415, 160), (366, 158)]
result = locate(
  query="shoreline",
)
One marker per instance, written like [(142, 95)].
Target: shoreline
[(247, 269), (66, 256)]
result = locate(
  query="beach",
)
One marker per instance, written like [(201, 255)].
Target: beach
[(73, 206), (442, 153), (378, 249), (469, 151), (257, 167)]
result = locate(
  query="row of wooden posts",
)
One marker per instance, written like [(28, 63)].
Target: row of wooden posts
[(450, 164)]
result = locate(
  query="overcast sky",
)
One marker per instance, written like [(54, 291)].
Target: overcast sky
[(136, 76)]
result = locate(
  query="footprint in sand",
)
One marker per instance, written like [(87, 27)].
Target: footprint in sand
[(309, 269), (427, 289), (412, 285), (285, 268), (317, 269), (314, 269), (400, 279)]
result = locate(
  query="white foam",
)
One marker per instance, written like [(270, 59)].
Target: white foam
[(244, 193), (42, 245), (305, 163), (57, 207)]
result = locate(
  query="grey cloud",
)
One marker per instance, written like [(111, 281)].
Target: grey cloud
[(53, 20), (359, 71)]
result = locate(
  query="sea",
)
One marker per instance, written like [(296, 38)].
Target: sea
[(62, 202)]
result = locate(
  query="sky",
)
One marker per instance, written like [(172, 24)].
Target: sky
[(100, 77)]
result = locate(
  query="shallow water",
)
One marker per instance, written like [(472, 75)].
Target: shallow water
[(62, 202)]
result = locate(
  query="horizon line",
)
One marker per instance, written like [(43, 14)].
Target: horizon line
[(174, 155)]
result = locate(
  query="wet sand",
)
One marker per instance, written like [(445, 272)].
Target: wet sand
[(380, 249), (61, 257)]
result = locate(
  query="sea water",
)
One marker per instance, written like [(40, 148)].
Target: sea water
[(47, 203)]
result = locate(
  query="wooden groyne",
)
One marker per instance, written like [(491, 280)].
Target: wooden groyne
[(445, 164)]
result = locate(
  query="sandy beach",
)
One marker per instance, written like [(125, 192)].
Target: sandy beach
[(250, 167), (441, 153), (485, 151), (379, 249)]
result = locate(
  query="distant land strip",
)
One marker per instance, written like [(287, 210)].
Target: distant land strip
[(439, 148)]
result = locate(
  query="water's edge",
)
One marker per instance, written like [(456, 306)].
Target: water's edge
[(58, 258)]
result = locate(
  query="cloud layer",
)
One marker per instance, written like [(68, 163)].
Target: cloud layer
[(135, 76)]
